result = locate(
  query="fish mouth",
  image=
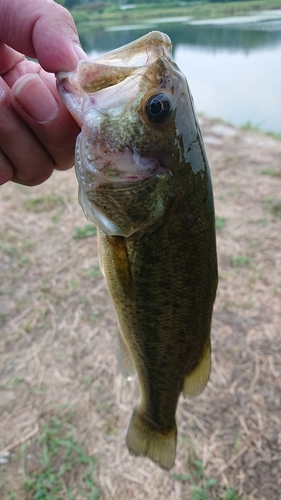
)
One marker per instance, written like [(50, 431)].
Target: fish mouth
[(99, 166), (114, 185), (119, 169)]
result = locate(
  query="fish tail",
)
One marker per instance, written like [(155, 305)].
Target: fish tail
[(144, 441)]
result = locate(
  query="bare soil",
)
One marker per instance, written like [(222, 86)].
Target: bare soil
[(57, 345)]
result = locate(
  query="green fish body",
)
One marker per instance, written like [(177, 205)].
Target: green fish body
[(144, 180)]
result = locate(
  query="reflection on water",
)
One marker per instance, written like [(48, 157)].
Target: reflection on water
[(236, 86), (233, 68)]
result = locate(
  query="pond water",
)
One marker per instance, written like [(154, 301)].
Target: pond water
[(233, 65)]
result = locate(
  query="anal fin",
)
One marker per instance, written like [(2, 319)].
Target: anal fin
[(124, 358), (196, 381)]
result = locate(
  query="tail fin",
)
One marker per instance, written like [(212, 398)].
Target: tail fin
[(143, 441)]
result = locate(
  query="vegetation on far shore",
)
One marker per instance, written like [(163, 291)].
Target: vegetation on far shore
[(111, 13)]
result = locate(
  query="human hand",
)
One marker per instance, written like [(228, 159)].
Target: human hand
[(37, 134)]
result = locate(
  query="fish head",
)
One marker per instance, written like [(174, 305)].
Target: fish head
[(134, 107)]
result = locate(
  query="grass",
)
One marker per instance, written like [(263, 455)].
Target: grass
[(61, 456), (84, 232), (201, 486), (230, 494), (271, 173), (94, 271), (249, 126), (16, 381), (220, 222), (68, 355), (17, 251), (240, 261), (43, 203), (274, 135), (273, 206)]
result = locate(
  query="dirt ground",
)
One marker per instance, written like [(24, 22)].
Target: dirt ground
[(57, 346)]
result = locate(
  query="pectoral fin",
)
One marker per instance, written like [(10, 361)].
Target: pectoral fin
[(121, 262), (195, 382), (124, 358), (100, 252)]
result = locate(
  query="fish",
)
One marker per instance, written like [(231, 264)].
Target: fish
[(144, 181)]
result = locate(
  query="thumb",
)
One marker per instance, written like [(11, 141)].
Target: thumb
[(41, 29)]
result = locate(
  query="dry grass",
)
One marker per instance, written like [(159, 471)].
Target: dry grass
[(58, 327)]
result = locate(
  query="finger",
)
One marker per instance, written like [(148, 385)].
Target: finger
[(37, 101), (9, 58), (20, 149), (6, 169), (14, 65), (42, 30)]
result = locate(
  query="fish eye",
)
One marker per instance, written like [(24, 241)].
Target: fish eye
[(158, 108)]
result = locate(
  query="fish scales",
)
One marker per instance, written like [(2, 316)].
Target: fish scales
[(144, 180)]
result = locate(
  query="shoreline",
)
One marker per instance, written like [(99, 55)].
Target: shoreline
[(114, 15), (246, 127)]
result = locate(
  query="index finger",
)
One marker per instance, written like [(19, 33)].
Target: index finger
[(41, 29)]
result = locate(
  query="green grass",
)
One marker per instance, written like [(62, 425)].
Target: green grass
[(61, 460), (43, 203), (95, 270), (260, 222), (274, 135), (250, 126), (220, 222), (94, 318), (17, 250), (202, 487), (230, 494), (238, 442), (276, 209), (273, 206), (270, 173), (240, 261), (258, 128), (17, 381), (84, 232)]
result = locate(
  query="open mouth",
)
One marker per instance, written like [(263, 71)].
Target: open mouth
[(127, 165), (124, 170)]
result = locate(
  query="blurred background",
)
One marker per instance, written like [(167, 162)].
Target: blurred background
[(64, 408), (229, 51)]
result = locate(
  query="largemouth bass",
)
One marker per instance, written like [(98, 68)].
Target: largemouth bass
[(144, 180)]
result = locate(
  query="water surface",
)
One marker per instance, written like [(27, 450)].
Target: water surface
[(233, 65)]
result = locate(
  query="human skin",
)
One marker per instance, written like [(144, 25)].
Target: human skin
[(37, 134)]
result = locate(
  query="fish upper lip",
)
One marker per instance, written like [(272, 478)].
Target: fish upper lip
[(126, 166), (127, 181), (122, 178)]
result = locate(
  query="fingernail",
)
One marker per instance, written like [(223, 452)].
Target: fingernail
[(33, 95), (79, 51)]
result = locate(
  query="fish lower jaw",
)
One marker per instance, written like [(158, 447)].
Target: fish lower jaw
[(95, 216), (95, 176), (127, 165)]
